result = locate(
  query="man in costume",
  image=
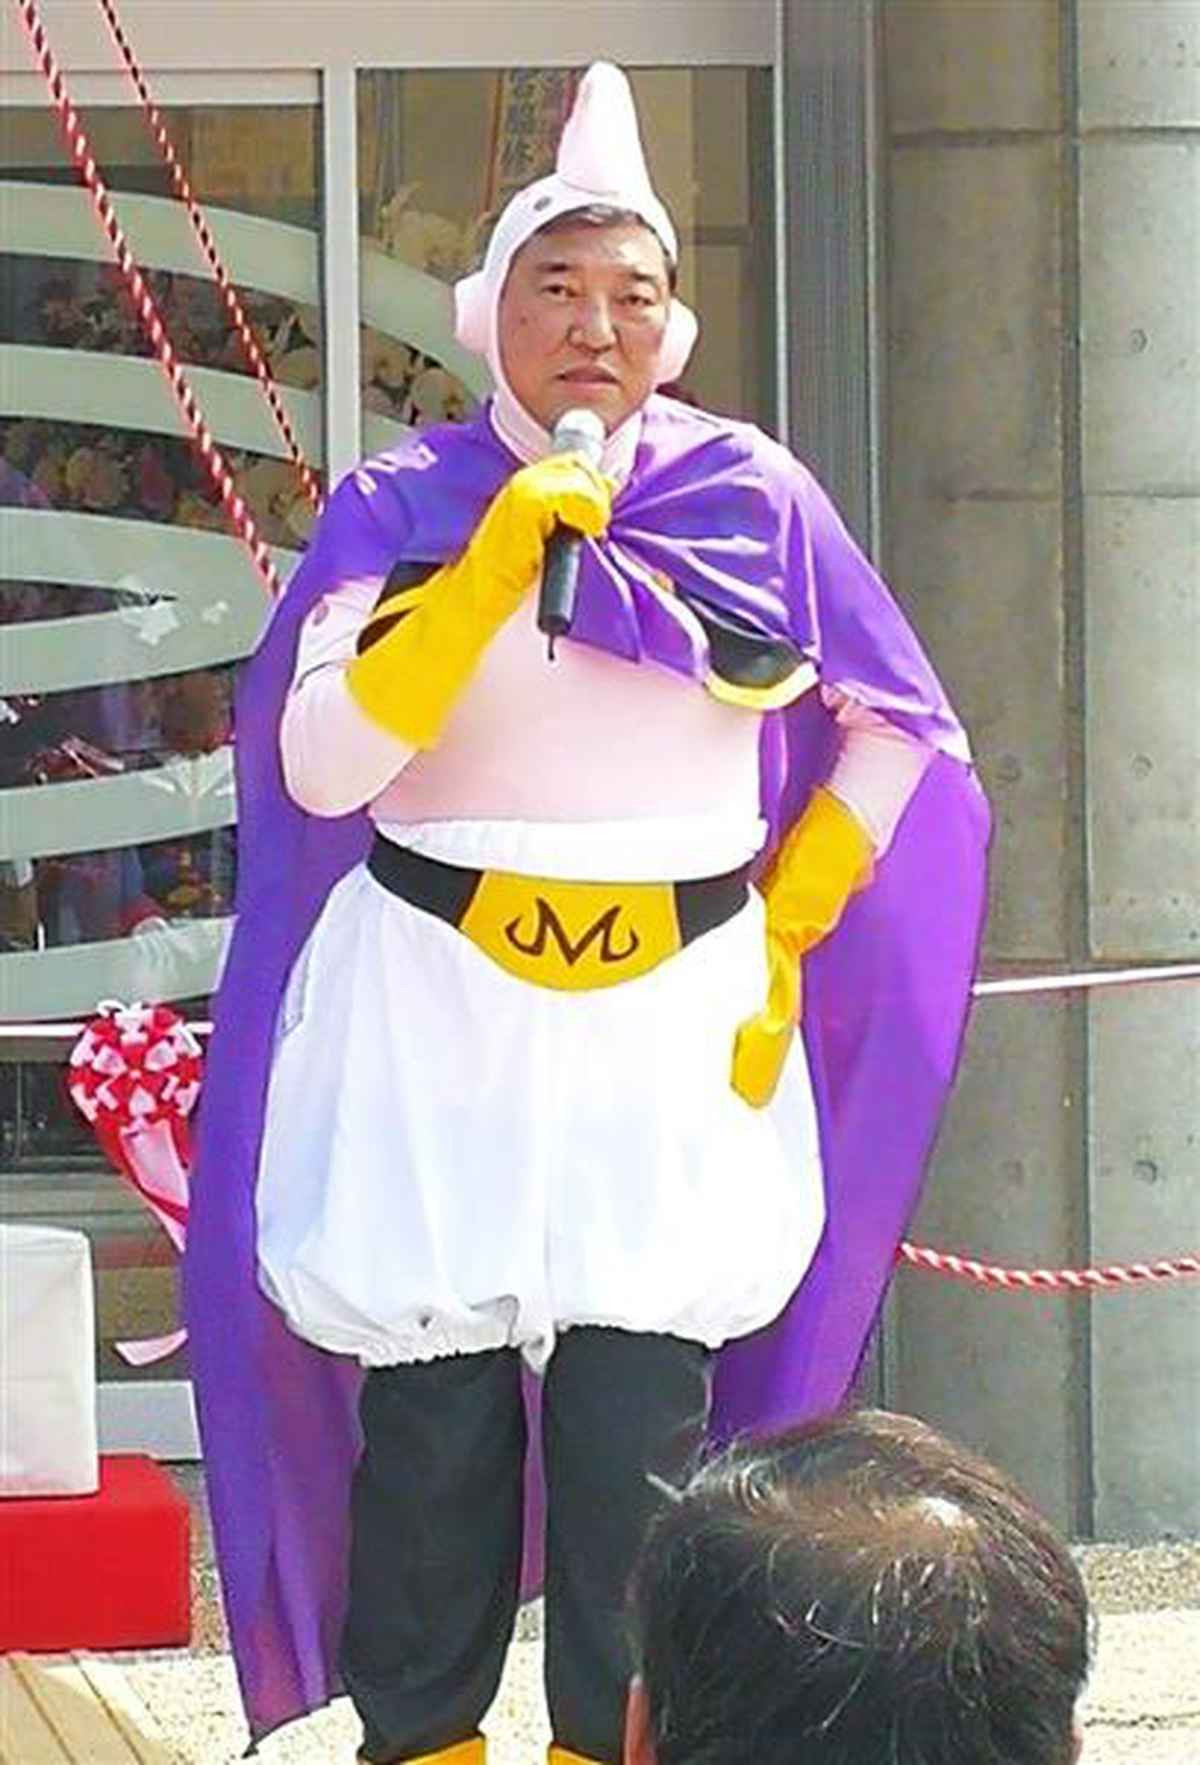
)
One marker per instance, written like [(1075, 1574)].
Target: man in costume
[(504, 1071)]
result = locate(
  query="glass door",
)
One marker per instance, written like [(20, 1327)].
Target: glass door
[(125, 604)]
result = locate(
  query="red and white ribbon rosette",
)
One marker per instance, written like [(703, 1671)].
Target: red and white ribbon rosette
[(135, 1076)]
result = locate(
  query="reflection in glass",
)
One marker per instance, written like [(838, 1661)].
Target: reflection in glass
[(149, 477), (116, 731), (407, 386), (128, 604), (259, 160)]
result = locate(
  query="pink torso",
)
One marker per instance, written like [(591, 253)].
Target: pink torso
[(587, 737)]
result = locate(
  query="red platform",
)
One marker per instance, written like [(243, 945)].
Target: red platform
[(103, 1571)]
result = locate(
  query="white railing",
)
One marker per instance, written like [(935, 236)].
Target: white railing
[(190, 597)]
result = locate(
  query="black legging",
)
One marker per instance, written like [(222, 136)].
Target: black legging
[(436, 1532)]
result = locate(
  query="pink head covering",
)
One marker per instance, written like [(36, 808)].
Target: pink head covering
[(600, 160)]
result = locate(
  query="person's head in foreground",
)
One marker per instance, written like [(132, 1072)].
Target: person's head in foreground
[(859, 1591)]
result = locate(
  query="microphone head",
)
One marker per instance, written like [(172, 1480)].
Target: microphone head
[(579, 432)]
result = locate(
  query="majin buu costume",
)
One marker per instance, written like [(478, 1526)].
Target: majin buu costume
[(493, 1081)]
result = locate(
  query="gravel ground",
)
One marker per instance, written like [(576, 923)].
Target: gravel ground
[(1142, 1577), (1143, 1706)]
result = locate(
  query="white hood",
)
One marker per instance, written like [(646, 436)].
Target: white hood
[(600, 160)]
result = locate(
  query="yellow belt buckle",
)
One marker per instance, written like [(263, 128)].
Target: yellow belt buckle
[(573, 936)]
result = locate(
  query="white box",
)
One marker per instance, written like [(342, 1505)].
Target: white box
[(47, 1363)]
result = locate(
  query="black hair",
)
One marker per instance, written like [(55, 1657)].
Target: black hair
[(603, 214), (859, 1589)]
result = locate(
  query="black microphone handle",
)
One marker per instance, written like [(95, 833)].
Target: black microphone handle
[(560, 579)]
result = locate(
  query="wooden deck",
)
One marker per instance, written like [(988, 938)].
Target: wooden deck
[(74, 1710)]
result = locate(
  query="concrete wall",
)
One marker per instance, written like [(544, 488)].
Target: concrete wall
[(1139, 115), (1040, 171)]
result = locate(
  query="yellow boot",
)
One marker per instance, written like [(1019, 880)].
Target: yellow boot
[(560, 1756), (422, 644), (825, 859), (464, 1752)]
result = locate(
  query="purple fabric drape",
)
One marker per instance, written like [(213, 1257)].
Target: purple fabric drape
[(728, 516)]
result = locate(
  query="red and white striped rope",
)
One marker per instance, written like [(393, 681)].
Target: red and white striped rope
[(1091, 1280), (203, 232), (85, 162)]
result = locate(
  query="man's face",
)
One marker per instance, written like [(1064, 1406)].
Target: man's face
[(581, 321)]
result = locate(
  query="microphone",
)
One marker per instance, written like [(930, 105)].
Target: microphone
[(580, 431)]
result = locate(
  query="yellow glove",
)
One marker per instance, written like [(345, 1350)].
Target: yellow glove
[(435, 633), (825, 859)]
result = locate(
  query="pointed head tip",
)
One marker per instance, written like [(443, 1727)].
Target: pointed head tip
[(604, 90), (601, 147), (604, 73)]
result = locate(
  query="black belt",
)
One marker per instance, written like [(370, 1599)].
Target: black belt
[(447, 890)]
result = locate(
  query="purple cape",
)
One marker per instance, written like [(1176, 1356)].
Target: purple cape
[(732, 518)]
